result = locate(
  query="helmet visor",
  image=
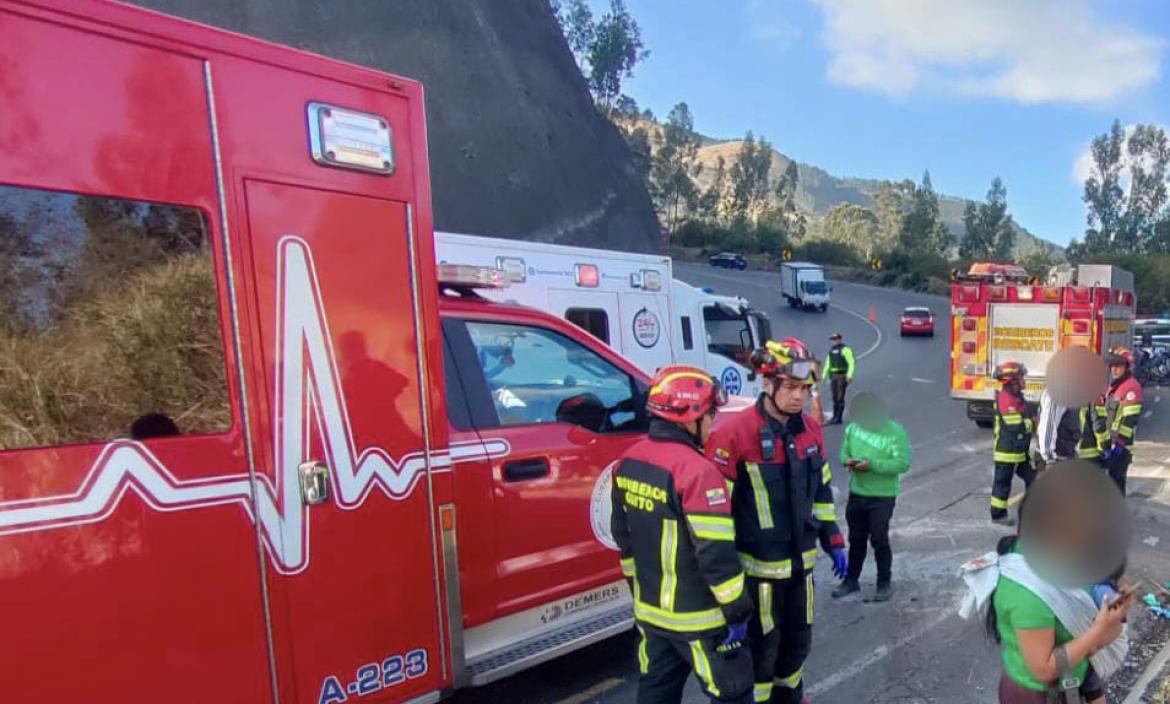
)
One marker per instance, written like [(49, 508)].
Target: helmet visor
[(798, 371)]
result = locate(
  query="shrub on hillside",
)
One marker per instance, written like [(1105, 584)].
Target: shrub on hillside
[(828, 253)]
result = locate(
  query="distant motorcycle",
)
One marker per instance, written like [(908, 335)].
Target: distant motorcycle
[(1153, 365)]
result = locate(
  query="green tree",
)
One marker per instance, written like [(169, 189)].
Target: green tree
[(989, 232), (922, 231), (1126, 192), (891, 202), (710, 202), (852, 225), (606, 50), (749, 179), (674, 168)]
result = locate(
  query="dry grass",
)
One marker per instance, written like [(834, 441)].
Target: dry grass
[(149, 342)]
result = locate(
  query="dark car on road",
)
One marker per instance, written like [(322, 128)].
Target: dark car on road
[(728, 260), (917, 321)]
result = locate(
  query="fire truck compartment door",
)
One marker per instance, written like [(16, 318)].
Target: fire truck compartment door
[(355, 604), (1024, 332)]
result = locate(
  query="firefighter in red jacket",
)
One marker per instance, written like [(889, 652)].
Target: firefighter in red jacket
[(1014, 426), (1116, 416), (672, 522), (783, 504)]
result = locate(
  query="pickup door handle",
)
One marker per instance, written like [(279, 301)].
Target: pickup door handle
[(523, 470)]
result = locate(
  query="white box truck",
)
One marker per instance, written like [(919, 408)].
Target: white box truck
[(803, 285), (627, 300)]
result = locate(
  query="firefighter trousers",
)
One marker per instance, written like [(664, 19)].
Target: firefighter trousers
[(1118, 468), (1001, 488), (839, 383), (780, 635), (664, 663)]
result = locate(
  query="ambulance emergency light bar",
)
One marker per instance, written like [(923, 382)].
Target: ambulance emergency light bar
[(471, 276)]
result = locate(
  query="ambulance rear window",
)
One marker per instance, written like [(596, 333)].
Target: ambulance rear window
[(594, 321), (109, 321)]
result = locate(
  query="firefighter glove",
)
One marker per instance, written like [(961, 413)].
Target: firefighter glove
[(736, 634), (1114, 451), (840, 563)]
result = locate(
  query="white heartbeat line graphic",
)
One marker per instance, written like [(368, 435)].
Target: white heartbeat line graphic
[(307, 386)]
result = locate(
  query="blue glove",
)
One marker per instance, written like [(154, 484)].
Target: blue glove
[(1102, 591), (736, 633), (840, 563), (1112, 453)]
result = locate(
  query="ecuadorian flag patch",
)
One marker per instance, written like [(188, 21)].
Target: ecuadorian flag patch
[(716, 497), (722, 456)]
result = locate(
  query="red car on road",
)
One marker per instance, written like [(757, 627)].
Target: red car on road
[(917, 321)]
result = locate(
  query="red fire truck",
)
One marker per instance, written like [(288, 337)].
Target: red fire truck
[(253, 448), (999, 313)]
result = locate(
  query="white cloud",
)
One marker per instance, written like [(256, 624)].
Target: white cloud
[(1031, 51)]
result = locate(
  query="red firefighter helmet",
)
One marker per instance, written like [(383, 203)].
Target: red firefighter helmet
[(1120, 355), (788, 358), (1010, 372), (681, 393)]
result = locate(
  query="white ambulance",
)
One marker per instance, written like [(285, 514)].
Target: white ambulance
[(627, 300)]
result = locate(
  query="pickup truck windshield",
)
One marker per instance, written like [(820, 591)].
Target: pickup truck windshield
[(728, 333)]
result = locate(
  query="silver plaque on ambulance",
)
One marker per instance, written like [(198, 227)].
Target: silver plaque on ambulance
[(349, 139)]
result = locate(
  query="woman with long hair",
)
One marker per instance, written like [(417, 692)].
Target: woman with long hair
[(1059, 641)]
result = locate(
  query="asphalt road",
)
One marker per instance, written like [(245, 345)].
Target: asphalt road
[(914, 649)]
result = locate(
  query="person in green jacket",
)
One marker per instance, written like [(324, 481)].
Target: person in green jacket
[(876, 451)]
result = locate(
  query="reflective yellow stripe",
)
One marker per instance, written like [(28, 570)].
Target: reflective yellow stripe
[(643, 655), (767, 623), (763, 506), (763, 692), (1012, 418), (809, 599), (688, 621), (810, 558), (792, 681), (1088, 453), (669, 556), (678, 375), (826, 474), (998, 503), (766, 570), (1131, 410), (703, 668), (1125, 431), (712, 527), (730, 590), (1011, 457), (628, 566), (824, 512)]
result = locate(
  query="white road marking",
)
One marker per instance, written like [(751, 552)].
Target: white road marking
[(1152, 670), (880, 653), (877, 343), (921, 381), (1147, 414)]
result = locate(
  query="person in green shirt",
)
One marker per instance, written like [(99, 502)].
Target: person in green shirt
[(876, 451)]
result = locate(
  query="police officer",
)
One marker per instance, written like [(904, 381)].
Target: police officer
[(775, 456), (1013, 437), (842, 366), (672, 522), (1117, 414)]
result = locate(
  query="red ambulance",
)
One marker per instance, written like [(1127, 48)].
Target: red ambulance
[(253, 447)]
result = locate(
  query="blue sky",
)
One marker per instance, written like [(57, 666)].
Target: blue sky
[(971, 89)]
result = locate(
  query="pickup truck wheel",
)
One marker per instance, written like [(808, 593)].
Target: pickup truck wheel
[(985, 424)]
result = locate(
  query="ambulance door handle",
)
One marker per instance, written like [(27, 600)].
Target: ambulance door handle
[(314, 483), (524, 470)]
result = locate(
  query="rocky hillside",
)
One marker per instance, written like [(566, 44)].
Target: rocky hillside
[(818, 191), (517, 148)]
